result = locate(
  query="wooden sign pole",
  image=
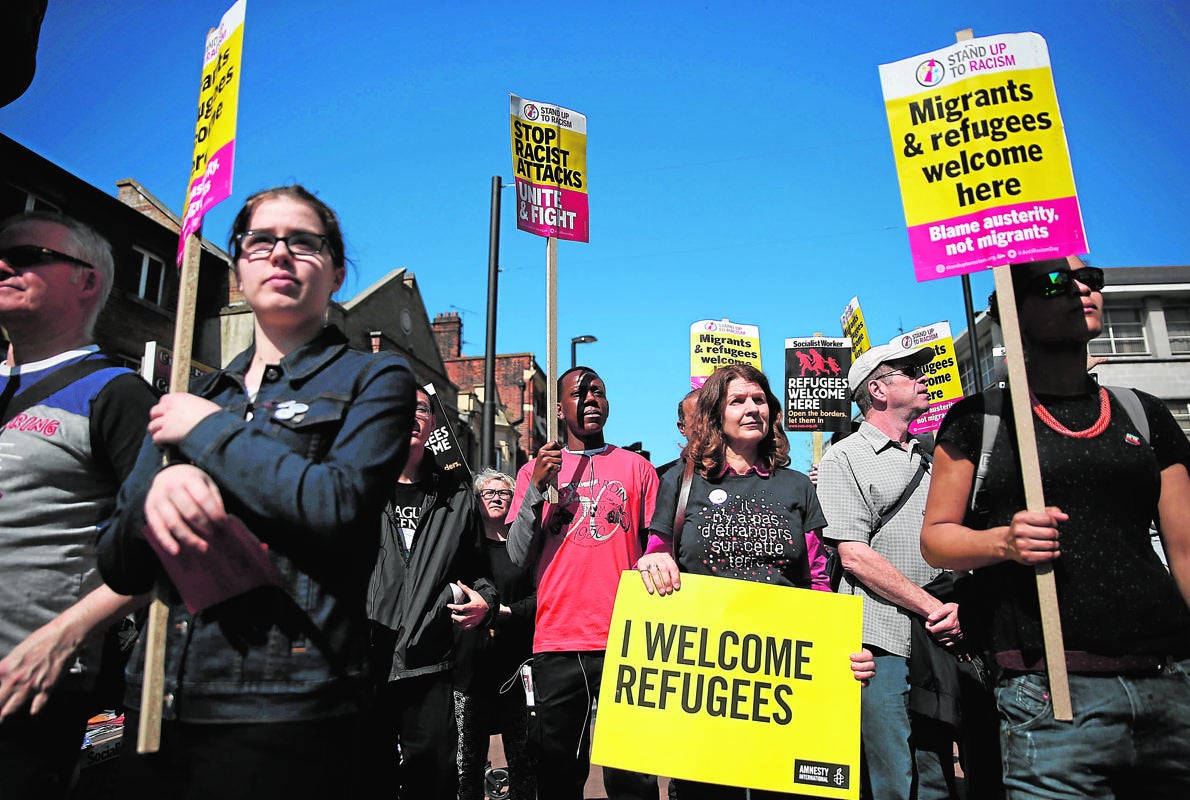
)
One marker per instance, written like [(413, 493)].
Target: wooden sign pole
[(551, 345), (148, 735)]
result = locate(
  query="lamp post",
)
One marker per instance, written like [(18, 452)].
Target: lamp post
[(487, 438), (575, 342)]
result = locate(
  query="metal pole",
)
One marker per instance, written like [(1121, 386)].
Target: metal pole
[(487, 444), (972, 337), (573, 356)]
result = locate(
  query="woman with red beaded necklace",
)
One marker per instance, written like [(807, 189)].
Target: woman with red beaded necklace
[(1125, 619)]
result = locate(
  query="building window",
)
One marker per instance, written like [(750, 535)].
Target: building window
[(35, 203), (151, 285), (1177, 322), (1181, 412), (15, 200), (1123, 333)]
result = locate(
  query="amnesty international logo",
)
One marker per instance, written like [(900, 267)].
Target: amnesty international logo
[(821, 773)]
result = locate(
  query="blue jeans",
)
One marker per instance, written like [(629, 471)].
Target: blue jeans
[(1130, 736), (903, 760)]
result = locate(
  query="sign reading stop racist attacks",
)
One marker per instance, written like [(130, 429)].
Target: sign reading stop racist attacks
[(816, 393), (741, 683), (981, 156), (215, 130), (549, 160)]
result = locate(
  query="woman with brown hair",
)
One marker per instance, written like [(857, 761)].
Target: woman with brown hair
[(748, 514)]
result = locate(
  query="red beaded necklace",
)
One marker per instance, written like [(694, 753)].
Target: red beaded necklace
[(1052, 423)]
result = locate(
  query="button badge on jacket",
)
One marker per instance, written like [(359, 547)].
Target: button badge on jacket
[(290, 410)]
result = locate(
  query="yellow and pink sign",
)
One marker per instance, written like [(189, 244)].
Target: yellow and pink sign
[(215, 130), (981, 156), (714, 343), (942, 373), (549, 160)]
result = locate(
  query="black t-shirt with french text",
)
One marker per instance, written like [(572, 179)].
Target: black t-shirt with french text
[(748, 527)]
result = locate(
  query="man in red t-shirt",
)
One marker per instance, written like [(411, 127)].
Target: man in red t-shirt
[(581, 545)]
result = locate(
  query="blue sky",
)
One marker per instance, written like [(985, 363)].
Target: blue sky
[(739, 160)]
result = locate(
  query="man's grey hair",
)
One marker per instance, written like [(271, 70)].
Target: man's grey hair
[(91, 247), (490, 474)]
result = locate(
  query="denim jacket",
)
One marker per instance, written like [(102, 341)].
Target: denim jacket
[(307, 467)]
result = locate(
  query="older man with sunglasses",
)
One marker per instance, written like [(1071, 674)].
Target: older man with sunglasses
[(71, 425), (1125, 617), (873, 487)]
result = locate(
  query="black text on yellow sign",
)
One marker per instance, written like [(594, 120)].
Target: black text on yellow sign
[(749, 682)]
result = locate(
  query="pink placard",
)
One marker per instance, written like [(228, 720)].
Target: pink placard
[(214, 187), (996, 237)]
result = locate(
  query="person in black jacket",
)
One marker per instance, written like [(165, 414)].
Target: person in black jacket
[(423, 583)]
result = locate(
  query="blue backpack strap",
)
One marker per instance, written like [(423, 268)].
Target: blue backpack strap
[(1136, 412)]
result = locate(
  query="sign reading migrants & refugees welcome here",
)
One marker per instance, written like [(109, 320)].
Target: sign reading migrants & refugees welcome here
[(816, 393), (549, 160), (981, 156), (740, 683), (714, 343)]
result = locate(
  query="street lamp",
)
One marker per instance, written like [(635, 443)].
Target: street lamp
[(575, 342)]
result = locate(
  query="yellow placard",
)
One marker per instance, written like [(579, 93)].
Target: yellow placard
[(735, 683), (854, 329), (959, 150), (714, 343)]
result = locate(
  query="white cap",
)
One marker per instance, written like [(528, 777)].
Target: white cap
[(873, 357)]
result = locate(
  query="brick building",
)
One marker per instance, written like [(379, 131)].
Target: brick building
[(520, 419)]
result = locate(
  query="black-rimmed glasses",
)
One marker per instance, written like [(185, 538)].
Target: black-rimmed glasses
[(302, 243), (492, 494), (1060, 282), (24, 256)]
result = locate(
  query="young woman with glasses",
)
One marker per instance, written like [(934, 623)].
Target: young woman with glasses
[(283, 459), (1124, 618)]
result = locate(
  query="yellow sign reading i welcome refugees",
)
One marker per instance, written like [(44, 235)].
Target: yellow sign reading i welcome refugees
[(735, 683)]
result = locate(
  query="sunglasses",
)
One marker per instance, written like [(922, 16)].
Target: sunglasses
[(912, 372), (24, 256), (1060, 282)]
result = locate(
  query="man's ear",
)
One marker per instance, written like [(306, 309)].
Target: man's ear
[(340, 276), (561, 418), (877, 389), (91, 282)]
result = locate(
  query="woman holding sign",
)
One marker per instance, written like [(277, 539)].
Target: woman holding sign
[(276, 474), (747, 515), (1111, 461)]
